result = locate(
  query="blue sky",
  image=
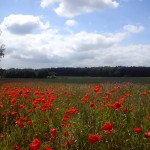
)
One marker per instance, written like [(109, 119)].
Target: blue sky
[(81, 33)]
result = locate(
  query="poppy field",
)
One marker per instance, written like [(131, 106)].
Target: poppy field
[(60, 116)]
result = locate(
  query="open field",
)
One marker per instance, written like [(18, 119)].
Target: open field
[(97, 114), (145, 80)]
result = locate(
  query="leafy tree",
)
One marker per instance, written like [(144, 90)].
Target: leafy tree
[(2, 49), (51, 75)]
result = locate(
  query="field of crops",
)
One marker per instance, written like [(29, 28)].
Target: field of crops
[(69, 116)]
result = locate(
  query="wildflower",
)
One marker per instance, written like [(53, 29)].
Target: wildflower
[(13, 100), (124, 109), (68, 143), (44, 121), (69, 125), (63, 125), (20, 124), (91, 104), (147, 134), (72, 111), (66, 133), (20, 91), (1, 136), (16, 147), (107, 127), (51, 98), (94, 138), (121, 100), (116, 105), (87, 96), (13, 113), (29, 111), (46, 134), (47, 148), (52, 139), (65, 118), (25, 95), (29, 122), (137, 130), (22, 119), (43, 108), (21, 106), (1, 104), (53, 131), (96, 88), (144, 93), (35, 145)]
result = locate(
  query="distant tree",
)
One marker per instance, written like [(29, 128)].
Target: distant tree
[(2, 48), (51, 75)]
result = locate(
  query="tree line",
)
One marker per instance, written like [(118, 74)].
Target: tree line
[(106, 71)]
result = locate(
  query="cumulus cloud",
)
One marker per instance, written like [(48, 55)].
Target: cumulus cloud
[(85, 41), (71, 22), (133, 28), (23, 24), (52, 49), (46, 3), (71, 8)]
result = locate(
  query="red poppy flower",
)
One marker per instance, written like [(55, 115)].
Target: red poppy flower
[(53, 131), (63, 125), (144, 93), (35, 145), (1, 104), (96, 88), (20, 124), (52, 139), (94, 138), (124, 109), (107, 127), (68, 143), (116, 105), (13, 113), (29, 122), (66, 133), (16, 147), (65, 118), (21, 106), (20, 91), (147, 134), (22, 119), (87, 96), (91, 104), (1, 136), (13, 100), (72, 111), (137, 130), (47, 148)]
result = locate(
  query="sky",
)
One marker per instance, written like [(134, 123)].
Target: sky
[(75, 33)]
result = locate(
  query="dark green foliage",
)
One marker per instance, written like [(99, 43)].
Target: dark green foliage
[(2, 48), (19, 73), (119, 71)]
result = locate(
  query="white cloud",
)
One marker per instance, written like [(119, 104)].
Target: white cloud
[(49, 48), (133, 29), (23, 24), (71, 8), (71, 22), (46, 3)]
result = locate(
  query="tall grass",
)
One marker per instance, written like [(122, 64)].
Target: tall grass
[(39, 115)]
